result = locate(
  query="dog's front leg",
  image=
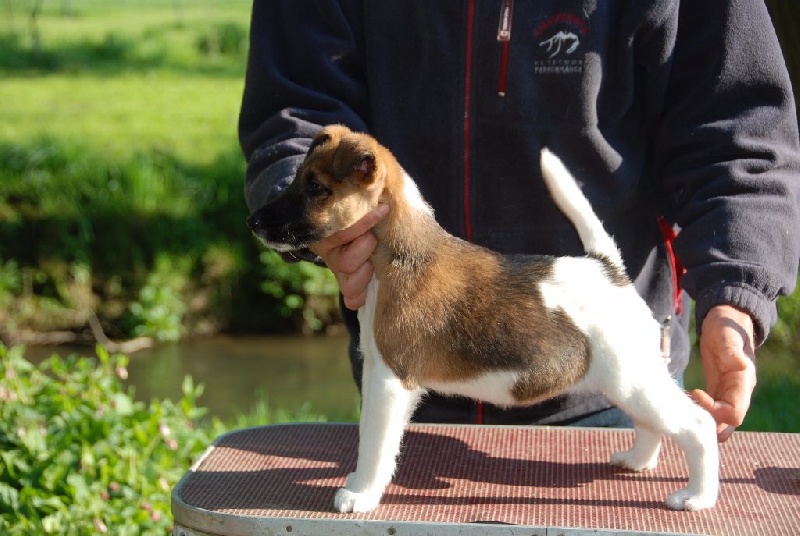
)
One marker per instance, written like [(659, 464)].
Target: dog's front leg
[(386, 407)]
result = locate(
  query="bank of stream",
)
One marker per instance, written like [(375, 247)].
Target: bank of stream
[(291, 374), (311, 376)]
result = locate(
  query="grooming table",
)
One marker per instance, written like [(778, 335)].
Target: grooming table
[(487, 480)]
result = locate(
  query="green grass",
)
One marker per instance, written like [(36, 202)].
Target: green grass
[(190, 118), (127, 77)]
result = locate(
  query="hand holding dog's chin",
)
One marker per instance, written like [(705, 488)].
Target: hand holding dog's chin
[(347, 254), (727, 352)]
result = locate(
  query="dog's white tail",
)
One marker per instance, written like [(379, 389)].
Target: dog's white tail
[(570, 199)]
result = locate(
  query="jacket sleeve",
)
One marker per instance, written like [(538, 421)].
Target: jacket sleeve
[(304, 71), (728, 151)]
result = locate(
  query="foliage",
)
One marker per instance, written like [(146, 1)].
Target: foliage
[(786, 332), (263, 412), (302, 288), (120, 163), (159, 311), (79, 456), (227, 39), (10, 282), (182, 226)]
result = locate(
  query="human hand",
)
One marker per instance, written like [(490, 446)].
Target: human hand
[(727, 353), (347, 254)]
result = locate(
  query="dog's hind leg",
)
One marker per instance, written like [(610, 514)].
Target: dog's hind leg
[(386, 407), (656, 403), (643, 454)]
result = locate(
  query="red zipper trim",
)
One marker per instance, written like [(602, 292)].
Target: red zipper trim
[(677, 269), (501, 89), (504, 36), (467, 118)]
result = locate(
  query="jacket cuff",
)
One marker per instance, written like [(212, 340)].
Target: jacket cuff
[(271, 181), (761, 309)]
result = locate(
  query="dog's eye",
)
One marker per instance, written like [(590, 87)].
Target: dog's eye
[(316, 188)]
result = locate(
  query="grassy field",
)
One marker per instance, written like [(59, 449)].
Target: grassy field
[(126, 77), (193, 119)]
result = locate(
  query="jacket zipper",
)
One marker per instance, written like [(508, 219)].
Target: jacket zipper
[(504, 37), (467, 118), (466, 162)]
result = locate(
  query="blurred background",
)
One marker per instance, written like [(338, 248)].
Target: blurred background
[(122, 213)]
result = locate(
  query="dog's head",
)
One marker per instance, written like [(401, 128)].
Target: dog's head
[(339, 181)]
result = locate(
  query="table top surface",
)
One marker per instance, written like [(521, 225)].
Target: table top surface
[(512, 476)]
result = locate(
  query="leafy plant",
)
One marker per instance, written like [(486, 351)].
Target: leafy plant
[(307, 294), (785, 333), (159, 311), (226, 39), (10, 281), (79, 456)]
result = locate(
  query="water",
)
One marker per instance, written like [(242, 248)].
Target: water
[(237, 372), (292, 372)]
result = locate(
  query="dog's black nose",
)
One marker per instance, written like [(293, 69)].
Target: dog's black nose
[(255, 221)]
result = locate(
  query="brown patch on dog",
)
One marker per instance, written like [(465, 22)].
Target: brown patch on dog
[(469, 311)]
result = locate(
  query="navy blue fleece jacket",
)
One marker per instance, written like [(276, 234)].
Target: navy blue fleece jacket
[(681, 109)]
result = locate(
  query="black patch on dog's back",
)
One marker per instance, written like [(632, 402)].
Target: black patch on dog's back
[(616, 274)]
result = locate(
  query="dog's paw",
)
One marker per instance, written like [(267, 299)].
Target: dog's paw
[(347, 501), (686, 500), (635, 461)]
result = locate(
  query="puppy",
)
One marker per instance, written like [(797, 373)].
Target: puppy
[(449, 316)]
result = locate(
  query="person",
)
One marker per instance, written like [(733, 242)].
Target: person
[(675, 116)]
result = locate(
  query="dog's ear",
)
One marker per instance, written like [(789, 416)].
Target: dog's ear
[(320, 139), (365, 165), (354, 158)]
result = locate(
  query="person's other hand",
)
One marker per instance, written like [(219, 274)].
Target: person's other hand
[(727, 353), (347, 254)]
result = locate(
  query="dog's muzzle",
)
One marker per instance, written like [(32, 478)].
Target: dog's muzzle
[(280, 231)]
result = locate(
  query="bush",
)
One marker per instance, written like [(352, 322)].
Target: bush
[(150, 244), (786, 333), (226, 39), (79, 456), (304, 293)]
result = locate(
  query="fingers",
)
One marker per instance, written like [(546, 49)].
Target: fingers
[(349, 257), (351, 265), (722, 412), (726, 348), (345, 236), (353, 286), (347, 254)]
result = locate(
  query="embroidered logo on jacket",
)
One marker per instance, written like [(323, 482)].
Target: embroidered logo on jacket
[(560, 38)]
